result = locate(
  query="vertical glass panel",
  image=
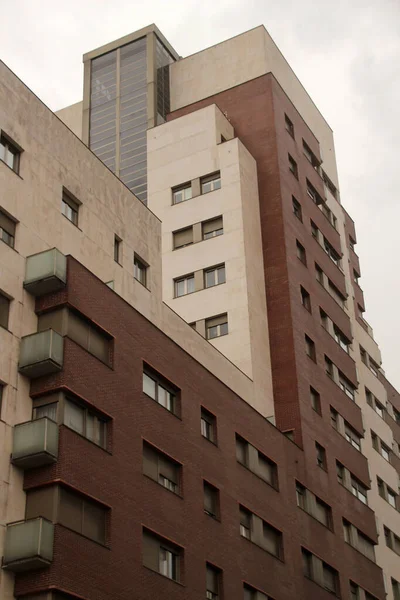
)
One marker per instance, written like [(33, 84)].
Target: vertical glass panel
[(103, 92), (74, 417), (149, 386), (47, 410), (163, 60)]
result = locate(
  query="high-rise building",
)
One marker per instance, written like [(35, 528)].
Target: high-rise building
[(193, 405)]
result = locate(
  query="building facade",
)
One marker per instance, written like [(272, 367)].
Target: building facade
[(193, 403)]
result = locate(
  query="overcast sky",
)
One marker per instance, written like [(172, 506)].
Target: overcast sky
[(346, 53)]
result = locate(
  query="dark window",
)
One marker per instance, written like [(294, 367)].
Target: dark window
[(331, 252), (251, 593), (211, 500), (9, 153), (7, 229), (301, 496), (212, 228), (354, 591), (310, 348), (160, 390), (69, 207), (315, 400), (213, 582), (330, 578), (181, 193), (319, 274), (161, 468), (307, 563), (117, 249), (293, 166), (208, 425), (210, 183), (183, 237), (4, 310), (162, 556), (309, 154), (329, 184), (216, 326), (242, 451), (140, 270), (334, 418), (78, 418), (301, 252), (260, 464), (245, 523), (314, 230), (289, 126), (82, 515), (305, 298), (297, 209), (321, 455)]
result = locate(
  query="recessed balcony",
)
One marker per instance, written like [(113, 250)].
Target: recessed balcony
[(35, 443), (28, 545), (41, 354), (45, 272)]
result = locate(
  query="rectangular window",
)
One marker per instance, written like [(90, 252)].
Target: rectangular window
[(184, 285), (9, 153), (261, 465), (212, 228), (314, 195), (379, 409), (305, 298), (385, 452), (161, 555), (251, 593), (242, 451), (309, 154), (310, 348), (4, 311), (301, 253), (331, 252), (69, 207), (82, 515), (181, 193), (216, 326), (161, 468), (330, 578), (321, 456), (117, 249), (396, 589), (297, 209), (323, 513), (289, 126), (319, 274), (208, 425), (293, 166), (7, 229), (160, 390), (352, 436), (272, 540), (347, 387), (341, 339), (388, 538), (210, 183), (315, 400), (301, 496), (391, 497), (79, 418), (359, 490), (314, 230), (334, 418), (307, 563), (213, 583), (245, 523), (329, 185), (211, 500), (329, 368), (140, 270), (183, 237), (214, 276)]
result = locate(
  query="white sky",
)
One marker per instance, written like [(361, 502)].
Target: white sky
[(346, 53)]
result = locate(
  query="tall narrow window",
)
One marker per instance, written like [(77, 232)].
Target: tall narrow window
[(289, 126), (297, 209), (162, 556), (7, 229), (168, 563), (310, 348), (321, 456), (1, 397), (315, 400), (213, 576), (245, 523), (140, 270), (208, 425), (4, 310), (69, 207), (301, 252), (293, 166), (117, 249), (305, 298), (9, 153), (211, 500)]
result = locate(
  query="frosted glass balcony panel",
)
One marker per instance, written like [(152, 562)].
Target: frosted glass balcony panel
[(35, 443), (45, 272), (28, 545), (41, 354)]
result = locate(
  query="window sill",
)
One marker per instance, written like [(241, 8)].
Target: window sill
[(72, 223), (163, 407), (163, 487), (164, 576), (213, 517), (276, 488), (11, 169)]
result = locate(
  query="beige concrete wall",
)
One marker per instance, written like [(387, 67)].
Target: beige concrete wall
[(186, 149), (241, 59), (72, 117)]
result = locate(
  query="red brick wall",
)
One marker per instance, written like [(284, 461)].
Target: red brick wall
[(94, 572)]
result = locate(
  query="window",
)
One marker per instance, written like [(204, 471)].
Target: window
[(214, 276), (140, 270), (314, 230), (309, 154), (307, 563), (352, 243), (391, 497), (340, 472), (256, 461), (396, 414), (331, 252), (319, 274), (305, 298), (289, 126), (310, 348), (161, 468), (46, 410), (293, 166), (334, 418), (212, 228), (9, 153), (69, 207), (266, 469), (208, 425), (301, 252), (320, 572), (1, 397), (210, 183), (395, 589), (331, 579), (213, 576), (161, 555), (216, 326), (297, 209), (341, 339), (251, 593), (314, 195), (323, 513), (352, 436), (211, 500), (183, 237), (181, 193), (4, 310), (80, 419), (347, 387), (117, 249), (301, 496), (242, 451), (272, 540), (161, 391), (315, 400), (374, 367), (329, 368), (184, 285), (385, 452), (7, 229), (329, 185), (321, 456), (356, 276), (245, 523), (359, 490), (379, 409), (82, 515)]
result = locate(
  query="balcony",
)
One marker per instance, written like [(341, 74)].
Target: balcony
[(45, 272), (35, 443), (41, 354), (28, 545)]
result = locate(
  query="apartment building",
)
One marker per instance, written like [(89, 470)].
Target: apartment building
[(193, 403)]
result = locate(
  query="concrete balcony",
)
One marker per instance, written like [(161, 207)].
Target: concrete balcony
[(41, 354), (45, 272), (35, 443), (28, 545)]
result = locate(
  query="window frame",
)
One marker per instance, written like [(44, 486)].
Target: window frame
[(216, 271), (222, 328), (184, 279), (173, 403), (181, 188), (289, 126), (5, 305), (214, 180), (293, 168), (140, 267), (13, 149), (72, 212), (208, 235), (210, 421)]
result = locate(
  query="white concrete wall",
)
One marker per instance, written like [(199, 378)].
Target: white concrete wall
[(241, 59), (186, 149), (72, 117)]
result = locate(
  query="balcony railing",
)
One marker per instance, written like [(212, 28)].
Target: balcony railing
[(45, 272), (28, 545), (41, 354), (35, 443)]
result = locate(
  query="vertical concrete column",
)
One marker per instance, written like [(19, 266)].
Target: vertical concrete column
[(196, 191), (198, 280), (201, 327), (197, 233)]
